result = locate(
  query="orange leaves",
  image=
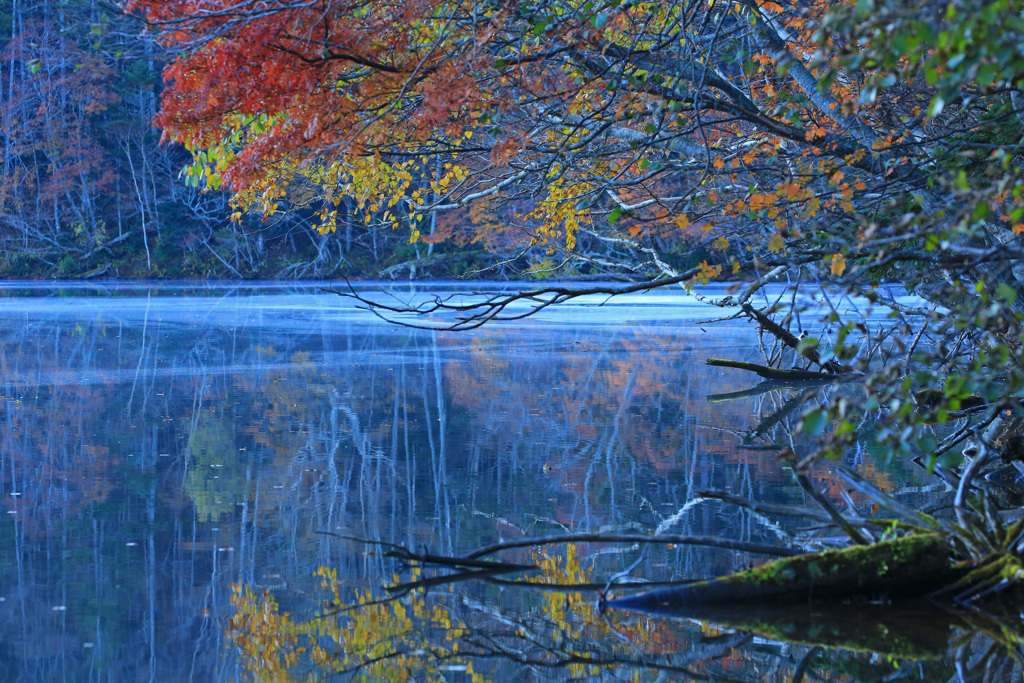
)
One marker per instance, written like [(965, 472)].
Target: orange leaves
[(792, 191), (504, 150), (351, 89), (759, 201), (774, 7), (814, 132)]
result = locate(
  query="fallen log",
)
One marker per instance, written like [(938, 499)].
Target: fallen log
[(908, 567)]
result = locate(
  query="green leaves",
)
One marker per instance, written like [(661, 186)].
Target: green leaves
[(807, 345), (814, 422), (1006, 293)]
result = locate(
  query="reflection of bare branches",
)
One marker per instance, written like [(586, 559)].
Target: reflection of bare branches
[(767, 508), (402, 553)]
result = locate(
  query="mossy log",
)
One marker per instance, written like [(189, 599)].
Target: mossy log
[(904, 568)]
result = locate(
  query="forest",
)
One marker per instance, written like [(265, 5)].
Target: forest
[(788, 165), (87, 190)]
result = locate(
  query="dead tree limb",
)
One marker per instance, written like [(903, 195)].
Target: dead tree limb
[(782, 375)]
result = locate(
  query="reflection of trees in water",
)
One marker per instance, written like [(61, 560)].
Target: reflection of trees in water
[(542, 627), (156, 463)]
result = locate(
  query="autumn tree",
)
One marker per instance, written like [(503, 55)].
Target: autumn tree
[(817, 142)]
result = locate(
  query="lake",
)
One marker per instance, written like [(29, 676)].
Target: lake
[(171, 453)]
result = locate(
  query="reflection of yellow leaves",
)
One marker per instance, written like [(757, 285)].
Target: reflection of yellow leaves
[(838, 264), (385, 639), (267, 640)]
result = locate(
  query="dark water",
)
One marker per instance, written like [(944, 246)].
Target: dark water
[(159, 445)]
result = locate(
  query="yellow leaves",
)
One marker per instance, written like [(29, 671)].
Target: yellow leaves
[(721, 244), (682, 221), (1018, 229), (776, 243), (718, 163), (838, 265), (852, 159), (559, 210), (707, 272)]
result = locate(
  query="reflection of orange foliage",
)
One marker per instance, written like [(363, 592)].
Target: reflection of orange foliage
[(880, 478), (594, 388)]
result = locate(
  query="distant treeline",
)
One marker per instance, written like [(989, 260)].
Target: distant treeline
[(88, 190)]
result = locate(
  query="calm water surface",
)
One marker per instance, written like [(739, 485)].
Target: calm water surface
[(158, 445)]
